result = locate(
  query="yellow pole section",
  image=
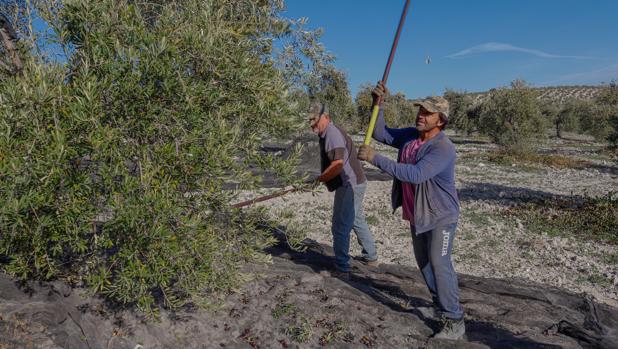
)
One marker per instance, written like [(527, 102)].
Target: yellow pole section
[(372, 124)]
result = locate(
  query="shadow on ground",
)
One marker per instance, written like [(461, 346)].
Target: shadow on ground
[(507, 196), (500, 313), (612, 170), (296, 303), (465, 141)]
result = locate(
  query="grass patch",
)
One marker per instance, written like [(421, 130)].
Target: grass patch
[(610, 258), (372, 220), (479, 218), (334, 331), (595, 279), (506, 158), (588, 218), (298, 327), (283, 309), (287, 213), (471, 256), (301, 331), (600, 280)]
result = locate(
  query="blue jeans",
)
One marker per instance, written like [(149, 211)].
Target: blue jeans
[(348, 214), (432, 250)]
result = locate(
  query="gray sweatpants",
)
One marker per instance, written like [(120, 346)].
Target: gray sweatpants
[(432, 250)]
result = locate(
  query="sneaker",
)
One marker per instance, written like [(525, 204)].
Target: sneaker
[(451, 329), (367, 262), (342, 275)]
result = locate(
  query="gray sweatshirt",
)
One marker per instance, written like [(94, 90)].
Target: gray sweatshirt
[(435, 199)]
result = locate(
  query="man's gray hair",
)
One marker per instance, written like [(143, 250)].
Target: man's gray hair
[(317, 107)]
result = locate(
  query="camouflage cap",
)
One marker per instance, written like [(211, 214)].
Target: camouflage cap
[(435, 104), (318, 108)]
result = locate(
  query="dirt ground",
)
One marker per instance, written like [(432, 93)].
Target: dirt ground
[(294, 302)]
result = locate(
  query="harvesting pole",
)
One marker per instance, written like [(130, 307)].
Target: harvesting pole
[(376, 105)]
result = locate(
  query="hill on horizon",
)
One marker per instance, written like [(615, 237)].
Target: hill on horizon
[(559, 94)]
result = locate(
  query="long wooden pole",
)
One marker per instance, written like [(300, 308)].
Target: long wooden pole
[(267, 197), (376, 105)]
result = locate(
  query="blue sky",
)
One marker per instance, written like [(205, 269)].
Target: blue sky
[(474, 45)]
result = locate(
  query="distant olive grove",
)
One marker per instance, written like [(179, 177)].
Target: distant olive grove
[(510, 116), (513, 115)]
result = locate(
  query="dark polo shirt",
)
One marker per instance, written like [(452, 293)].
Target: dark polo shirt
[(335, 144)]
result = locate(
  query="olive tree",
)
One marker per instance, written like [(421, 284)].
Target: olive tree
[(461, 109), (511, 117), (608, 102), (398, 110), (567, 116), (333, 89), (114, 164)]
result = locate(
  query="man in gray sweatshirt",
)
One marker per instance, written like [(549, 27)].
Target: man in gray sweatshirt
[(424, 185)]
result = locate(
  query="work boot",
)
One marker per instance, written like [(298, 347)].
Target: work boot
[(452, 329), (366, 261)]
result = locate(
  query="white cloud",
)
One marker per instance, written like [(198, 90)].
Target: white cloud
[(501, 47)]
